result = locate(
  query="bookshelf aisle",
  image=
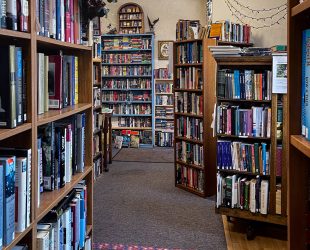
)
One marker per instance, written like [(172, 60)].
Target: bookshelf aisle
[(299, 147), (54, 183), (251, 179), (127, 73)]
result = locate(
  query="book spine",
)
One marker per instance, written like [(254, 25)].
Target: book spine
[(46, 94), (58, 20), (1, 202), (46, 16), (11, 12), (41, 16), (29, 189), (76, 85), (24, 92), (13, 121), (67, 21), (3, 14), (19, 85), (62, 20), (55, 82)]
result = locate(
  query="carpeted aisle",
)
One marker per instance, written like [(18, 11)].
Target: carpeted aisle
[(136, 204)]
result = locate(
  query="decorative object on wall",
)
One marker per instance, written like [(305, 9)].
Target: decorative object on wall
[(131, 19), (163, 49), (257, 18), (152, 24)]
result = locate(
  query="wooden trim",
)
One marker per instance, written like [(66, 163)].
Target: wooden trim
[(301, 144), (15, 34), (6, 133), (300, 8), (191, 190), (49, 42)]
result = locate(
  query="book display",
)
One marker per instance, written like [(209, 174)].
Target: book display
[(298, 113), (127, 73), (45, 124), (251, 168), (194, 146), (131, 19)]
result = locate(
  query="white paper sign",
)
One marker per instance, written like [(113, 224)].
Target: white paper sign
[(279, 73)]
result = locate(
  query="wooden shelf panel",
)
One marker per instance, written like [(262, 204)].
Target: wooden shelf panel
[(301, 143), (126, 50), (164, 118), (232, 171), (19, 237), (163, 93), (245, 61), (237, 44), (243, 137), (189, 115), (168, 106), (188, 140), (189, 189), (300, 8), (130, 128), (188, 41), (244, 214), (190, 165), (97, 60), (6, 133), (162, 79), (14, 34), (51, 199), (188, 65), (49, 42), (188, 90), (127, 90), (127, 64), (89, 229), (243, 101), (164, 130), (54, 115)]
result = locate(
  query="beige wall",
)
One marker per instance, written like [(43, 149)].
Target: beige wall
[(264, 37), (168, 11)]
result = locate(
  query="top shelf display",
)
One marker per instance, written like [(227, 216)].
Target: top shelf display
[(131, 19)]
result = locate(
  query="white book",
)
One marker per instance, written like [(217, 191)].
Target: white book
[(252, 199), (57, 228), (238, 192), (62, 20), (264, 197), (67, 229), (49, 227), (88, 245), (40, 175), (234, 189), (42, 240), (28, 183), (21, 191), (40, 83), (46, 97), (219, 190)]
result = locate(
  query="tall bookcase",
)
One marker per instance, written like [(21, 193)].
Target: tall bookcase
[(127, 73), (299, 147), (194, 175), (233, 126), (25, 135)]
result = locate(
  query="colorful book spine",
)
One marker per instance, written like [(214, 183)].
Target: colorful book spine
[(1, 204)]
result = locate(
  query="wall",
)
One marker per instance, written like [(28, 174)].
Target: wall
[(168, 11), (264, 37)]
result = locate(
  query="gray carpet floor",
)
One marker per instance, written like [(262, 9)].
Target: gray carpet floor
[(136, 203)]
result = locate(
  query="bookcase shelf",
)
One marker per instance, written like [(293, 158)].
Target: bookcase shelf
[(131, 16), (126, 64), (132, 128), (188, 65), (127, 50), (188, 140), (189, 115), (188, 41), (188, 90), (19, 237), (245, 61), (6, 133), (190, 165), (300, 8), (243, 137), (190, 189), (137, 76), (53, 43), (14, 34), (97, 60), (244, 101), (301, 144)]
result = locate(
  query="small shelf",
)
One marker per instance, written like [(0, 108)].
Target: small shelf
[(127, 64), (190, 165), (243, 137), (188, 140), (129, 102), (137, 115), (6, 133), (18, 237), (245, 61), (97, 60), (57, 195), (163, 79), (189, 115), (137, 76), (125, 20), (189, 189), (164, 130), (188, 65), (15, 34), (132, 35), (237, 44), (232, 171), (188, 41), (164, 118), (126, 50), (54, 115), (301, 143), (244, 214), (243, 101), (131, 128), (300, 8), (49, 42), (135, 12), (168, 106), (127, 90), (188, 90), (164, 93)]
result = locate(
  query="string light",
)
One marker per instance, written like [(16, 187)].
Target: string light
[(260, 10)]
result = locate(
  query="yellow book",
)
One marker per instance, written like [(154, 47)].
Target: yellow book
[(216, 30)]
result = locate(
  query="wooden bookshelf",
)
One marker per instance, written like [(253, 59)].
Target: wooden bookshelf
[(208, 168), (258, 64), (25, 136), (131, 19), (298, 147)]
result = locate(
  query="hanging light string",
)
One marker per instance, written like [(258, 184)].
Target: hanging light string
[(255, 18), (253, 26), (259, 10)]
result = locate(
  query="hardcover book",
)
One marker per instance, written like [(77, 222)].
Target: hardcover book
[(1, 204), (19, 85), (55, 82)]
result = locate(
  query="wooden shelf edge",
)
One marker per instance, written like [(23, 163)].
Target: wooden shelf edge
[(191, 190), (188, 140), (190, 165), (301, 143), (245, 60), (51, 199), (97, 60), (188, 41), (129, 128), (187, 90), (54, 115), (6, 133), (163, 79), (300, 8), (244, 214), (19, 237), (243, 137), (53, 42), (238, 44), (15, 34), (188, 64), (89, 229), (189, 115)]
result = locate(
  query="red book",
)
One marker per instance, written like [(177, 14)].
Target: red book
[(55, 82), (76, 21), (67, 22), (71, 22)]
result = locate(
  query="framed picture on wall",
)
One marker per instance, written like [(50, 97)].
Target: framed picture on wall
[(163, 49)]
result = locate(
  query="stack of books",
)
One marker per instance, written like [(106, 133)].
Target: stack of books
[(225, 51)]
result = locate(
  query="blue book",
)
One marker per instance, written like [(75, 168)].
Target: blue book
[(1, 204), (264, 150), (219, 155), (9, 198), (58, 20), (305, 105), (237, 84)]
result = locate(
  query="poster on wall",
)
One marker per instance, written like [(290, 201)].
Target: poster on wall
[(279, 69), (163, 49)]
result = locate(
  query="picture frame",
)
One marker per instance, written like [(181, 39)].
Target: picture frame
[(163, 49)]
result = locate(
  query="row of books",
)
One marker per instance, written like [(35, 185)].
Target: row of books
[(247, 157), (164, 100), (96, 96), (188, 103), (164, 139), (228, 31), (127, 43), (124, 84), (185, 29), (190, 177), (97, 74), (164, 123), (15, 193), (57, 81), (132, 122), (65, 226), (189, 153), (130, 16), (162, 73), (14, 15), (132, 109), (96, 144), (254, 121), (130, 30), (132, 23), (244, 84), (126, 70), (236, 191), (61, 20), (13, 87), (126, 96), (164, 87), (127, 58), (164, 112), (61, 152), (97, 47), (189, 78), (191, 128), (189, 53), (98, 121)]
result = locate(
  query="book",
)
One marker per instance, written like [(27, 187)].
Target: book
[(19, 85), (42, 240), (48, 227), (80, 142), (3, 14), (41, 83), (11, 14), (55, 82), (1, 204)]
